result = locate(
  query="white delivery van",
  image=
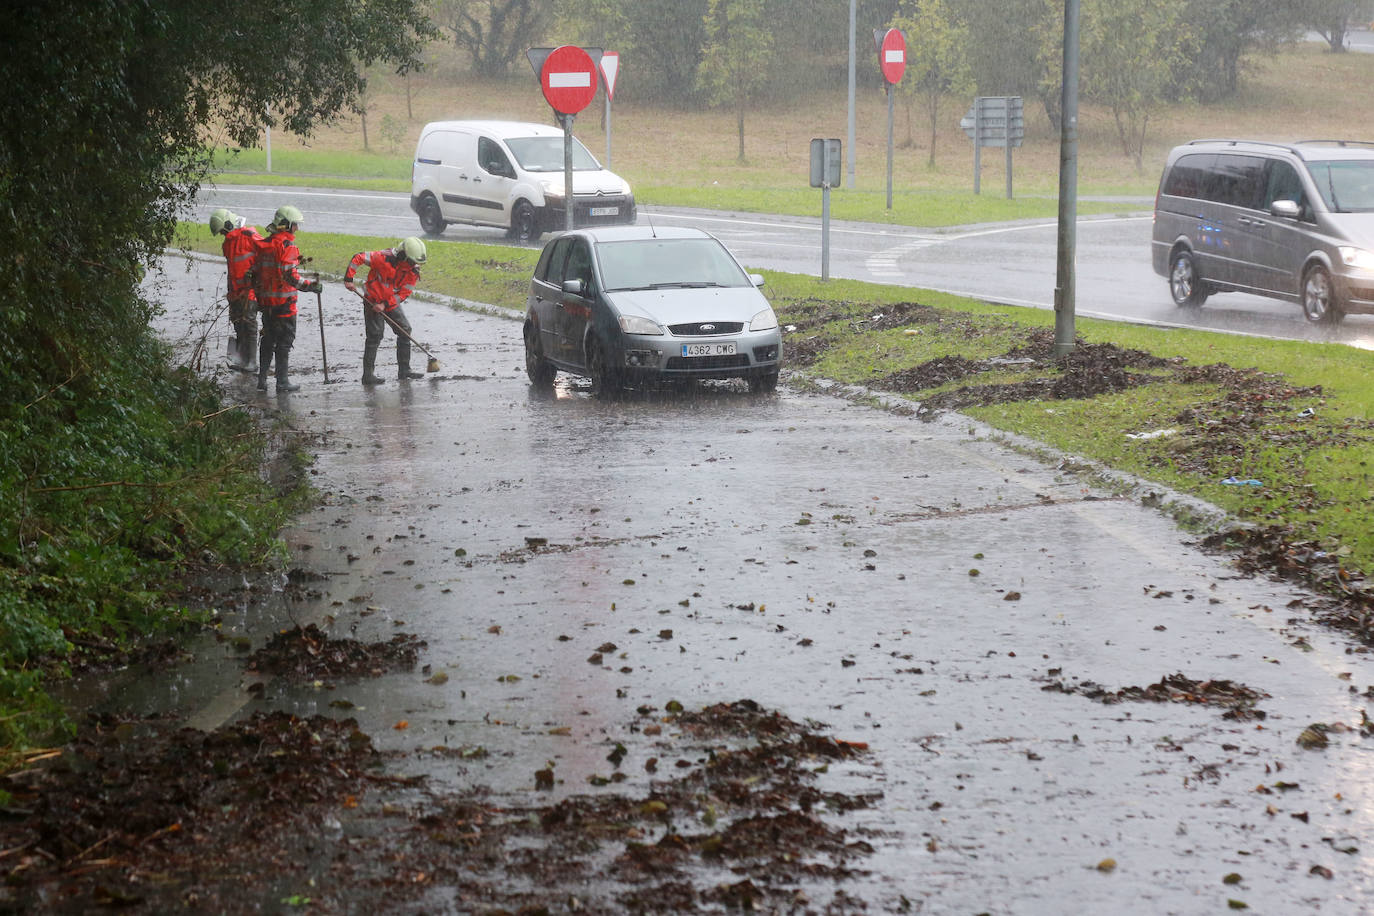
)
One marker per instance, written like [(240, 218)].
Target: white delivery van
[(510, 174)]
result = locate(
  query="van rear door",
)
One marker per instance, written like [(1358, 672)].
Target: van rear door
[(1234, 188), (455, 152)]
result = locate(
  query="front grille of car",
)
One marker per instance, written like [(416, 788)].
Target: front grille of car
[(706, 328), (738, 361)]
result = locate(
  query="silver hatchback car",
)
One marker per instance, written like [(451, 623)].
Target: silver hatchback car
[(623, 305)]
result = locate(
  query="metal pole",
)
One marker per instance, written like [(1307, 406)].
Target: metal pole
[(825, 232), (853, 17), (608, 131), (1068, 188), (977, 144), (889, 145), (1008, 141), (567, 173)]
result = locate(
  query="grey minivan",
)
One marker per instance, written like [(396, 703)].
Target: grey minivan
[(1292, 221)]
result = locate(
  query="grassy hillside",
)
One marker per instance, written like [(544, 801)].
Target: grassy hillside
[(689, 158)]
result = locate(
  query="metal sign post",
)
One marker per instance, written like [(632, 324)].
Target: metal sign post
[(892, 61), (825, 174), (993, 120)]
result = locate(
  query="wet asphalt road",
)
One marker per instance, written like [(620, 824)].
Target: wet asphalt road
[(1011, 263), (819, 557)]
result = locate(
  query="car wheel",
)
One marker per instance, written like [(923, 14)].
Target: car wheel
[(764, 384), (539, 369), (1319, 301), (431, 220), (524, 226), (1185, 283), (606, 380)]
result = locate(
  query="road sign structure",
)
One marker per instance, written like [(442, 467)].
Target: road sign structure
[(892, 55), (568, 79), (994, 120), (610, 66)]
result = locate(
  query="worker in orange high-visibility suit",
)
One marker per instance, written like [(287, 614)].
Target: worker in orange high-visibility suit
[(391, 277), (240, 249), (276, 280)]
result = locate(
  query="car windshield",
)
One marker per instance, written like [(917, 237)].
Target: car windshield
[(667, 263), (545, 154), (1347, 185)]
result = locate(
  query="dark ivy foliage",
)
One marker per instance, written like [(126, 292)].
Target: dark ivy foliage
[(110, 474)]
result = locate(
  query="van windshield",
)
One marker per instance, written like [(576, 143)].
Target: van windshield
[(545, 154), (1347, 185)]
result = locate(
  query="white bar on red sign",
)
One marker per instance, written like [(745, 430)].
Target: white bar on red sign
[(895, 57), (569, 80)]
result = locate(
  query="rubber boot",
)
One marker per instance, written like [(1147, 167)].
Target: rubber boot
[(283, 384), (248, 347), (370, 376), (403, 358), (264, 362)]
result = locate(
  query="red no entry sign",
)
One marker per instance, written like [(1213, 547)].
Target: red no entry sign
[(568, 79), (892, 56)]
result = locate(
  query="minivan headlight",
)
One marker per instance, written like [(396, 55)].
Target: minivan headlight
[(1356, 257), (634, 324), (553, 188), (764, 321)]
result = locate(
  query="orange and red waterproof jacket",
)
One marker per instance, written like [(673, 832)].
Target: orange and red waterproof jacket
[(390, 280), (275, 275), (240, 251)]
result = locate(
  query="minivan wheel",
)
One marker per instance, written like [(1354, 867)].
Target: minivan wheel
[(524, 227), (431, 220), (605, 379), (1319, 301), (1185, 284), (539, 369)]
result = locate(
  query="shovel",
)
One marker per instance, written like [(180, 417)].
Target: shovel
[(319, 306), (433, 364)]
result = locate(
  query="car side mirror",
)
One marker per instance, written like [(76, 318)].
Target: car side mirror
[(572, 287), (756, 279), (1286, 209)]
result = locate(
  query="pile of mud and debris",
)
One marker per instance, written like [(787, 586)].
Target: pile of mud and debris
[(275, 813)]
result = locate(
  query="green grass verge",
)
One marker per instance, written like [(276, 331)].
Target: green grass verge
[(917, 208)]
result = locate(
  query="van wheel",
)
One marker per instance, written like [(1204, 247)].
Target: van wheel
[(540, 370), (1319, 300), (524, 227), (431, 220), (1185, 283), (606, 380)]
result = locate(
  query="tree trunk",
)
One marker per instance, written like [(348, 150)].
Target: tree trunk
[(740, 125), (933, 107)]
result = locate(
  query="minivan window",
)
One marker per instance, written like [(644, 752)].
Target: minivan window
[(1188, 175), (493, 159), (551, 265), (1235, 180), (545, 154), (1346, 185), (1284, 184)]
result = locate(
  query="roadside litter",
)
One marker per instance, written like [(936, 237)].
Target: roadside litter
[(1156, 434), (1243, 482)]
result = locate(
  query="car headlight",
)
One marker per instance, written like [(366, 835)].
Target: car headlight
[(1356, 257), (553, 189), (634, 324), (764, 321)]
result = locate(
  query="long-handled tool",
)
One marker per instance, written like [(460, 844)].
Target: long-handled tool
[(319, 307), (433, 364)]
